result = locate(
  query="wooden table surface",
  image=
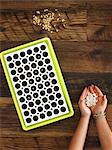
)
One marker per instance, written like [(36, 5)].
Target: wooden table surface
[(84, 51)]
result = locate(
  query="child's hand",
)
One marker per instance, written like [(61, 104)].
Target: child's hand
[(102, 100), (85, 111)]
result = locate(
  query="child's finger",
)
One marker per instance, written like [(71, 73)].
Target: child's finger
[(92, 107), (91, 89), (84, 94), (98, 91)]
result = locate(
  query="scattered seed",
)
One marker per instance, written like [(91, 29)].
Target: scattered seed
[(49, 20)]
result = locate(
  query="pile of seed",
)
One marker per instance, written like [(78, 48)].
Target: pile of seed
[(91, 99), (49, 20)]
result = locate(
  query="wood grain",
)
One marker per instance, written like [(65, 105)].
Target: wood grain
[(10, 129), (93, 57), (16, 26)]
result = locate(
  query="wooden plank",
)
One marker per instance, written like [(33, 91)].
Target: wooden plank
[(10, 127), (34, 143), (99, 5), (99, 26), (50, 143), (99, 33), (99, 17), (27, 5), (82, 57), (62, 4), (75, 83), (17, 26)]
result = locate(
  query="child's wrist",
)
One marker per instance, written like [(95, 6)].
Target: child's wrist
[(99, 115), (85, 116)]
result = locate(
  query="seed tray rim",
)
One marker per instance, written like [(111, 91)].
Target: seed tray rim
[(59, 75)]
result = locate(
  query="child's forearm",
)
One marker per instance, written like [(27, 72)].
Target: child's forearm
[(79, 136), (104, 132)]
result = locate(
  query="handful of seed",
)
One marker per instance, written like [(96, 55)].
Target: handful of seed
[(91, 99), (50, 21)]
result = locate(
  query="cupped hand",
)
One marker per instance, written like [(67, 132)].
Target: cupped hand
[(102, 100), (85, 111)]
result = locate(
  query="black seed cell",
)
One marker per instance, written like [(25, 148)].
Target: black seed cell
[(11, 65), (20, 69), (40, 63), (19, 92), (13, 72), (38, 79), (31, 81), (60, 102), (35, 118), (31, 104), (22, 99), (15, 56), (53, 104), (29, 74), (35, 72), (36, 49), (18, 63), (54, 81), (51, 74), (29, 51), (31, 58), (24, 83), (28, 120), (17, 85), (24, 61), (47, 61), (40, 109), (49, 90), (42, 70), (9, 58), (26, 113), (37, 102), (42, 116), (63, 109), (22, 54), (42, 47), (33, 88), (44, 99), (35, 95), (51, 97), (47, 83), (24, 106), (40, 86), (49, 67), (47, 106), (33, 65), (15, 79), (33, 111), (22, 76), (26, 90), (49, 113), (42, 93), (28, 97), (45, 77), (38, 56), (45, 54), (58, 95), (27, 67), (56, 88), (56, 111)]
